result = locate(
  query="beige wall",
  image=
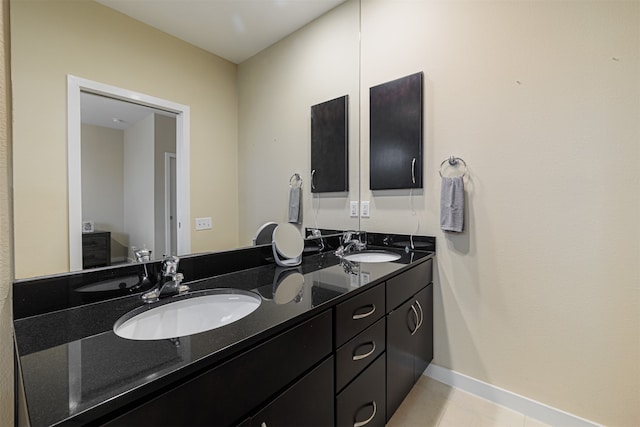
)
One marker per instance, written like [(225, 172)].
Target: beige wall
[(85, 39), (102, 161), (277, 88), (6, 247), (540, 294)]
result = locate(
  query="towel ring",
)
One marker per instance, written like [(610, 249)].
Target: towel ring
[(453, 161), (295, 179)]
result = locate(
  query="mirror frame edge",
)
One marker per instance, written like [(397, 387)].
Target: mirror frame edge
[(74, 86)]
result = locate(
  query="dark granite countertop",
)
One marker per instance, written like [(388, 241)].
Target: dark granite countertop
[(75, 369)]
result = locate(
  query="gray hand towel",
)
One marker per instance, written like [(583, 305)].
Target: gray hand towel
[(452, 204), (295, 203)]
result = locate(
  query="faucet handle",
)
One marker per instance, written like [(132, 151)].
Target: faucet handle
[(170, 266)]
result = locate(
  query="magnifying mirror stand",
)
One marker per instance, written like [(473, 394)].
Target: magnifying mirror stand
[(285, 262)]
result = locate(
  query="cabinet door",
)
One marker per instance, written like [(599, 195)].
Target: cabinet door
[(396, 134), (423, 338), (329, 146), (401, 327), (362, 403), (309, 402)]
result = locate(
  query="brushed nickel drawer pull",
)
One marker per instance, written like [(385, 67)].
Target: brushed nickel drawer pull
[(415, 313), (368, 420), (367, 314), (364, 356), (413, 170), (421, 315)]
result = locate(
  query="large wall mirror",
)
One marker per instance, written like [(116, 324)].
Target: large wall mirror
[(248, 127)]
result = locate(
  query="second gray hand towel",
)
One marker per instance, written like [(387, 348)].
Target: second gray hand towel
[(295, 205), (452, 204)]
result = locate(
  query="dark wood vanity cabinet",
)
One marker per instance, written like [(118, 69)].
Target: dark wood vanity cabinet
[(349, 366), (409, 333), (309, 402), (360, 359), (283, 370)]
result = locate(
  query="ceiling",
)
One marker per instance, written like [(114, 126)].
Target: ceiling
[(233, 29)]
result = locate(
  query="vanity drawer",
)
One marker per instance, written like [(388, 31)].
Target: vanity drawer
[(358, 313), (358, 353), (404, 285), (362, 403)]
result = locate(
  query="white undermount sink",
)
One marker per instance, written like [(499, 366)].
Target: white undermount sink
[(372, 256), (187, 315)]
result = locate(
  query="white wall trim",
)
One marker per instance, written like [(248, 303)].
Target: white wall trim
[(74, 86), (508, 399)]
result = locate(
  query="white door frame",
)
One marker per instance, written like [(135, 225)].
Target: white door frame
[(74, 86), (167, 201)]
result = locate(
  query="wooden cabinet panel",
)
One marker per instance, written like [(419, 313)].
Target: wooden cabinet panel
[(226, 394), (359, 352), (424, 335), (409, 346), (401, 287), (395, 134), (362, 403), (309, 402), (400, 355), (330, 146), (358, 313)]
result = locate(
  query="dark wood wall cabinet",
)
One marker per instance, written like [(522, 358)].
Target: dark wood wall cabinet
[(96, 249), (330, 146), (351, 365), (395, 134)]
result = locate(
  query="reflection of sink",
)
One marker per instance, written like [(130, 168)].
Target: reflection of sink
[(372, 256), (187, 315)]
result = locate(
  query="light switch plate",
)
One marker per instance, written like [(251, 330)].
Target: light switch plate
[(354, 209), (203, 223), (364, 209)]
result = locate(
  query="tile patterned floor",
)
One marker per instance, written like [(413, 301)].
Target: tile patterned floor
[(432, 403)]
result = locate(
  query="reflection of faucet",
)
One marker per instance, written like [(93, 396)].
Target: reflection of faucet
[(348, 243), (169, 283)]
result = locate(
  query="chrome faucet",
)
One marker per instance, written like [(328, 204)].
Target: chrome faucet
[(169, 284), (348, 243)]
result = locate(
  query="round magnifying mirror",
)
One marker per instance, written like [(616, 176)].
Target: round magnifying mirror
[(288, 245), (288, 288)]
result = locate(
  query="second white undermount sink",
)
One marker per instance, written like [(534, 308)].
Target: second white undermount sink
[(372, 256), (187, 315)]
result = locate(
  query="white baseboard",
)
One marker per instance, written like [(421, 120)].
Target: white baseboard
[(502, 397)]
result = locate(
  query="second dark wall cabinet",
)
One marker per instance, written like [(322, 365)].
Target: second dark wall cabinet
[(395, 125), (329, 146)]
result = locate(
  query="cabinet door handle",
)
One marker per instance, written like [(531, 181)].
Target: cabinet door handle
[(415, 313), (368, 420), (365, 355), (421, 316), (413, 170), (367, 314), (313, 179)]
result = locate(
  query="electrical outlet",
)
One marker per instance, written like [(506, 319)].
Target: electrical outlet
[(364, 209), (354, 209), (203, 223)]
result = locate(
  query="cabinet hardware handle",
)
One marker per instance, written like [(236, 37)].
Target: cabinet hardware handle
[(368, 420), (367, 314), (364, 356), (415, 313), (421, 315), (413, 170), (313, 179)]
